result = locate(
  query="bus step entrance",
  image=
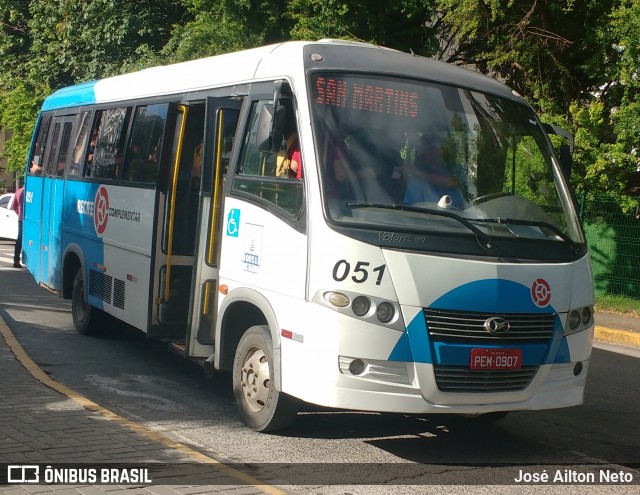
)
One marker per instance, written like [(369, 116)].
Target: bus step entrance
[(176, 346)]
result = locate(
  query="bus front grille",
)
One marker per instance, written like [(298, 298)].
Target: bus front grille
[(462, 379), (447, 326)]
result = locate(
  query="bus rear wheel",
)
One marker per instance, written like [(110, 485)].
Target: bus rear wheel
[(85, 317), (261, 406)]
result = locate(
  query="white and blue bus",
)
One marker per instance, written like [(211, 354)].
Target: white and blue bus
[(427, 256)]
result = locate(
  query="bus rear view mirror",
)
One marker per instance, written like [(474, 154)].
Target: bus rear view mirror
[(270, 128), (565, 150)]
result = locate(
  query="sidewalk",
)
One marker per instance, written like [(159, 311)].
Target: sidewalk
[(617, 329), (41, 421)]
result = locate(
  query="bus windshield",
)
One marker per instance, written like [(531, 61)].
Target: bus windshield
[(404, 155)]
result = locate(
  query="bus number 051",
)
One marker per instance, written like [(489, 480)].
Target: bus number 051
[(342, 269)]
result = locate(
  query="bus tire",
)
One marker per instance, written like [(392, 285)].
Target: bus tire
[(261, 406), (85, 317)]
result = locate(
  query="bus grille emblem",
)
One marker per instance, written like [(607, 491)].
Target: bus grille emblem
[(496, 325)]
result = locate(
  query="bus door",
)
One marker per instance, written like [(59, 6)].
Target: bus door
[(221, 123), (177, 221), (52, 194)]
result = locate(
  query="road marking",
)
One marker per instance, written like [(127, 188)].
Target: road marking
[(46, 380)]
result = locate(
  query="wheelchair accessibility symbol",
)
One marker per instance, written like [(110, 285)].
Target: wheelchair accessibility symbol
[(233, 223)]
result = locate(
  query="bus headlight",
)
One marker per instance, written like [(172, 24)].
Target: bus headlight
[(371, 309), (578, 319), (361, 305), (573, 320), (385, 312), (587, 313)]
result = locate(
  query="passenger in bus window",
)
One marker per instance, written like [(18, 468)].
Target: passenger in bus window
[(60, 167), (135, 166), (428, 179), (92, 146), (196, 168), (113, 170), (289, 160), (34, 168), (153, 156)]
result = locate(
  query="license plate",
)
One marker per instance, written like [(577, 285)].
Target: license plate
[(496, 359)]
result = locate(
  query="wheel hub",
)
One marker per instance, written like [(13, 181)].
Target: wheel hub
[(255, 379)]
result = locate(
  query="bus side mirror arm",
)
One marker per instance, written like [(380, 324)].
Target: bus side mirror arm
[(565, 153), (271, 123)]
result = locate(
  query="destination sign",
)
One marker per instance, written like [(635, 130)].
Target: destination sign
[(374, 96)]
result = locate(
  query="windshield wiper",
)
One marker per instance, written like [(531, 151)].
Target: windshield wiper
[(514, 221), (483, 239)]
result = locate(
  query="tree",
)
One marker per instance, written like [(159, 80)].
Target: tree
[(224, 26), (47, 45), (575, 62), (398, 24)]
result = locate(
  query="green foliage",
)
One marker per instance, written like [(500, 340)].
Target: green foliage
[(46, 45), (617, 304), (76, 40), (576, 62), (18, 110), (400, 24)]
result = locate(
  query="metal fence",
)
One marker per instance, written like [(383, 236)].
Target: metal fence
[(613, 237)]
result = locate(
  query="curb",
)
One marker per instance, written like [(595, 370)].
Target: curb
[(37, 373), (612, 336)]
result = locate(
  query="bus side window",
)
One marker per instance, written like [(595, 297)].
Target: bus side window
[(141, 159), (63, 154), (37, 160), (79, 145), (50, 168), (105, 161), (257, 171)]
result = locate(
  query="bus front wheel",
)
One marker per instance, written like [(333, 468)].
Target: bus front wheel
[(84, 315), (262, 407)]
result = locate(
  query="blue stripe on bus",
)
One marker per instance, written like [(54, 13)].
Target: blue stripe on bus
[(80, 229), (81, 94), (486, 296), (490, 296), (43, 255)]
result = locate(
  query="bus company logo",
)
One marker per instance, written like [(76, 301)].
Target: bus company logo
[(541, 293), (101, 210)]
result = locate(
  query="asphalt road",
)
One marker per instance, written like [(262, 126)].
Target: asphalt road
[(329, 451)]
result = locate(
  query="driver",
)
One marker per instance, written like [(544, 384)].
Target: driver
[(428, 179)]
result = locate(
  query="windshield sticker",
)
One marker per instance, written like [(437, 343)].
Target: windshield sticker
[(252, 252), (541, 293), (233, 223)]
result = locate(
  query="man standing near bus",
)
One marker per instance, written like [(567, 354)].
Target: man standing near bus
[(18, 207)]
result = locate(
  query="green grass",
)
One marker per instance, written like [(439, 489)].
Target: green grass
[(618, 304)]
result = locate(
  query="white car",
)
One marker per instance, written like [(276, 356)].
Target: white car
[(8, 218)]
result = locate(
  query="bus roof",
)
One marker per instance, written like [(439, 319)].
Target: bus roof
[(272, 61)]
